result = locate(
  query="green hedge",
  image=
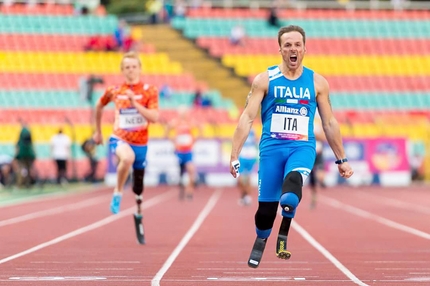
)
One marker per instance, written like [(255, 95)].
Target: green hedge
[(127, 7)]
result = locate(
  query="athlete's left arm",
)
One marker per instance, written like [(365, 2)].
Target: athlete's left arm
[(150, 112), (329, 123)]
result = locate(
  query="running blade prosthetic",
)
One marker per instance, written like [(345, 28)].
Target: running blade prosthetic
[(257, 252), (140, 234)]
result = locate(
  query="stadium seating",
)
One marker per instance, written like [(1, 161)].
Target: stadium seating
[(373, 59), (51, 42), (64, 24), (70, 99), (183, 81), (327, 28), (377, 62), (82, 63), (410, 65), (37, 9), (42, 60)]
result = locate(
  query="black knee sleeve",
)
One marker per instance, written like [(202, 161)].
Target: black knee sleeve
[(182, 169), (138, 181), (265, 215), (293, 183), (312, 179)]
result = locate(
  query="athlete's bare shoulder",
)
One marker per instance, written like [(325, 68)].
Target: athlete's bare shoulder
[(113, 90), (321, 84), (261, 81)]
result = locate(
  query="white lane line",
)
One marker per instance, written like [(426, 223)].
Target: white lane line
[(362, 213), (57, 210), (326, 254), (187, 237), (54, 195), (394, 202), (149, 203)]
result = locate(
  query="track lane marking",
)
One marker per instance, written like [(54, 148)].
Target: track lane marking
[(187, 237), (147, 204)]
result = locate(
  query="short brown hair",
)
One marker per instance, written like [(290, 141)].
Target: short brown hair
[(131, 55), (291, 28)]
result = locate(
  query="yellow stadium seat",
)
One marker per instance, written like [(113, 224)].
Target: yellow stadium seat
[(247, 65), (90, 62)]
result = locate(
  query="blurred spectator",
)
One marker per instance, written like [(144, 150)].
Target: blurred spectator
[(120, 40), (416, 162), (122, 37), (273, 19), (85, 7), (89, 148), (169, 11), (101, 43), (180, 8), (237, 35), (60, 152), (119, 32), (25, 157), (206, 102), (6, 169), (154, 8), (86, 87), (86, 91), (200, 100), (165, 91)]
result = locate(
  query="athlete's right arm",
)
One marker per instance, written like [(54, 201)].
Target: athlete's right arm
[(253, 102), (105, 99)]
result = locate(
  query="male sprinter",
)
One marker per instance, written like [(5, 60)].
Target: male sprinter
[(184, 142), (289, 95), (136, 105)]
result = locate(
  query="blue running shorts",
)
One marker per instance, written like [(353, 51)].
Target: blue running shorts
[(184, 158), (276, 163), (139, 152)]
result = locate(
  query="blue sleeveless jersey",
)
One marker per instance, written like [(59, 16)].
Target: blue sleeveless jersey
[(288, 110)]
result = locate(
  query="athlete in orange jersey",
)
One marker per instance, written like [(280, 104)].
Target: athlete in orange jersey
[(184, 142), (136, 105)]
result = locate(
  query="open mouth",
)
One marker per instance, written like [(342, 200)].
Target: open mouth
[(293, 58)]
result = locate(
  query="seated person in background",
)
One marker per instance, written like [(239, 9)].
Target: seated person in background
[(237, 35), (122, 36), (200, 100), (166, 91)]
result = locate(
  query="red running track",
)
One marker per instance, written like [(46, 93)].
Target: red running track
[(355, 236)]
